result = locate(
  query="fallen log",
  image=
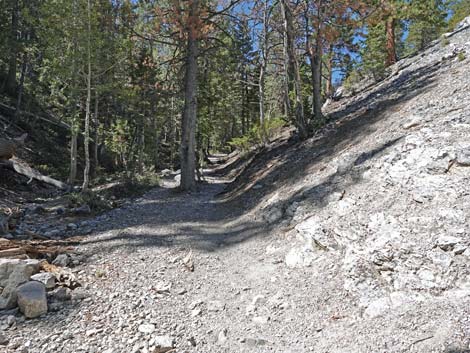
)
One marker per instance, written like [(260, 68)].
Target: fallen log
[(32, 173), (14, 252), (35, 249)]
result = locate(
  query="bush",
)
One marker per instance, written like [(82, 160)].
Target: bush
[(445, 41), (254, 137), (461, 56), (96, 201)]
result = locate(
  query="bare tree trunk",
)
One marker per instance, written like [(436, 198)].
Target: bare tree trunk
[(86, 172), (329, 83), (293, 70), (73, 125), (10, 83), (24, 66), (141, 146), (391, 47), (73, 155), (316, 62), (262, 74), (95, 135), (189, 119)]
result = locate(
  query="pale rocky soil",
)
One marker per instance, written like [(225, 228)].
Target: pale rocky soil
[(354, 241)]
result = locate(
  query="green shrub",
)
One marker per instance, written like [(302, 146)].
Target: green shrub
[(461, 56), (445, 41), (96, 201), (254, 137)]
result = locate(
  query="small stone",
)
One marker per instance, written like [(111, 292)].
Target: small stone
[(447, 242), (261, 320), (82, 210), (377, 307), (196, 312), (10, 320), (61, 294), (463, 158), (46, 278), (72, 226), (32, 299), (222, 337), (253, 306), (3, 339), (255, 342), (61, 260), (215, 305), (192, 341), (412, 122), (300, 257), (147, 328), (80, 294), (163, 341)]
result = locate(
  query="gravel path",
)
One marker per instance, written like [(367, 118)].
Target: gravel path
[(140, 292)]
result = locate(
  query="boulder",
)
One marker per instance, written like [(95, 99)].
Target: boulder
[(32, 299), (14, 272), (46, 278)]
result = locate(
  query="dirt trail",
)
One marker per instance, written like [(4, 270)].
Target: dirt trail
[(237, 295), (241, 297)]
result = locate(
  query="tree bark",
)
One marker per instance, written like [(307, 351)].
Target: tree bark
[(10, 83), (86, 172), (329, 83), (262, 74), (293, 70), (391, 47), (189, 118), (316, 54), (95, 135), (73, 103), (24, 66), (73, 156)]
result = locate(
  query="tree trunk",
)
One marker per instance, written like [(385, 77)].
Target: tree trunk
[(95, 136), (10, 83), (86, 172), (391, 47), (141, 146), (316, 66), (293, 70), (329, 83), (262, 74), (24, 66), (73, 155), (189, 118), (73, 103)]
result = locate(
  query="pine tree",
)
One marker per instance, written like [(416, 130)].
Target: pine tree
[(427, 20), (459, 9)]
